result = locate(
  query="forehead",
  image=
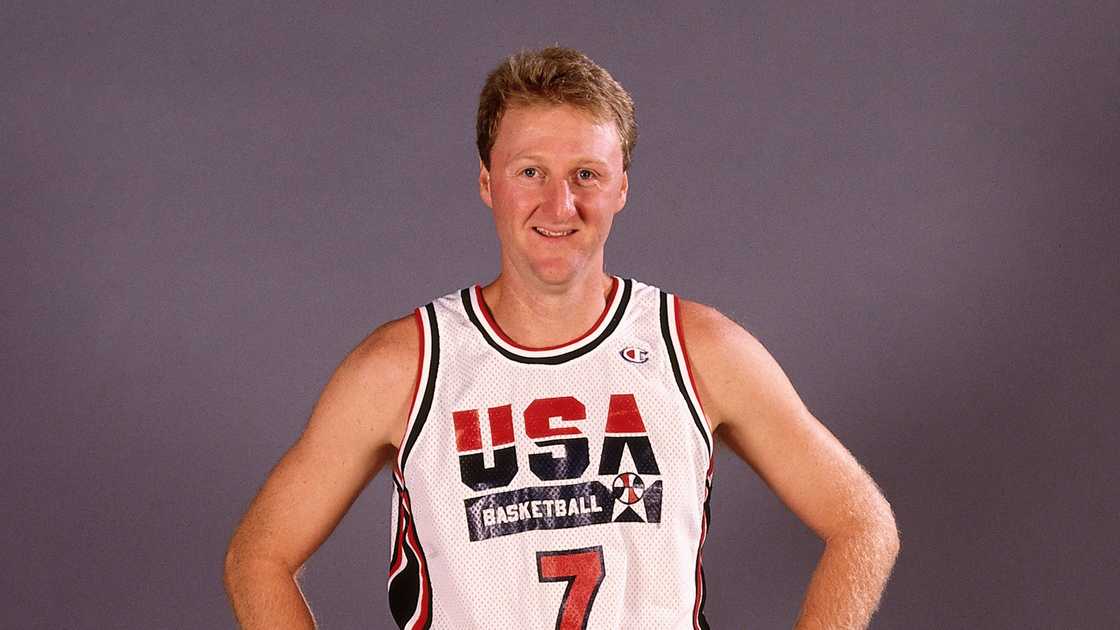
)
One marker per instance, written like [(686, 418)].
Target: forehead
[(562, 130)]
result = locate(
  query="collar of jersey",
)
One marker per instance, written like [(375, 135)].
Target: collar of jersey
[(483, 320)]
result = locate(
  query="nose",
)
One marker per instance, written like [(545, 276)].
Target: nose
[(559, 203)]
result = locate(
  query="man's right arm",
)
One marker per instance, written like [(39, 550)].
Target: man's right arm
[(354, 429)]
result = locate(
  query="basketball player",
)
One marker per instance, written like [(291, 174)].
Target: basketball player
[(550, 434)]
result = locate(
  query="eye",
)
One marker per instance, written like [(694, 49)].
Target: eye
[(584, 174), (529, 172)]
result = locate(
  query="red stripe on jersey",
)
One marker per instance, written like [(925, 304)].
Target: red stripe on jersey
[(425, 581), (700, 549), (684, 350), (501, 333), (398, 547), (699, 575), (402, 522)]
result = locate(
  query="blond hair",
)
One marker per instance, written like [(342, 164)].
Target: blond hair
[(554, 76)]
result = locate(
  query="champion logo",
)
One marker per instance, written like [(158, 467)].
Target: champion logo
[(634, 354)]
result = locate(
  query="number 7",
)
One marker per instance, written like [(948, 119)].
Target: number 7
[(583, 570)]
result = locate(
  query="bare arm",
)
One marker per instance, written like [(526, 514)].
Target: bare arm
[(754, 409), (353, 431)]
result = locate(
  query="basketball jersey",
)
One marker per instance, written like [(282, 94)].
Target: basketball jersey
[(563, 487)]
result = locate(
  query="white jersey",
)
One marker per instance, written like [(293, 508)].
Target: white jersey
[(552, 488)]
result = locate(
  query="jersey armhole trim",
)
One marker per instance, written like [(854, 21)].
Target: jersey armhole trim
[(424, 389), (671, 332)]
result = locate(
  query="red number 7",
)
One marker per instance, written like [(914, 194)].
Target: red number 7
[(583, 570)]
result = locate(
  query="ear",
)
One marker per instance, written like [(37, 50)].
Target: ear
[(484, 185), (624, 188)]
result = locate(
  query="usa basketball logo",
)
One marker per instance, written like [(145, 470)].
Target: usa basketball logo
[(634, 354), (628, 488)]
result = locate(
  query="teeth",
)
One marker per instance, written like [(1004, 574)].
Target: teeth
[(553, 234)]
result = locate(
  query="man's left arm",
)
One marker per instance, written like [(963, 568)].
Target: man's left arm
[(752, 406)]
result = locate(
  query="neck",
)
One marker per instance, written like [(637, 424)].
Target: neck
[(537, 315)]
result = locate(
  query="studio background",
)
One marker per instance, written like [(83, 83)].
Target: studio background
[(207, 205)]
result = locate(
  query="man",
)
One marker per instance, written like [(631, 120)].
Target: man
[(551, 433)]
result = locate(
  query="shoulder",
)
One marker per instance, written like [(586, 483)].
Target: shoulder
[(704, 321), (713, 337), (733, 370), (388, 350), (374, 382)]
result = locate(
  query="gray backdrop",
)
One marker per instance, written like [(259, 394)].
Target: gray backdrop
[(206, 205)]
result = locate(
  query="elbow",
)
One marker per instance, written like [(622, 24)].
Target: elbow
[(882, 528), (231, 562), (888, 528), (874, 526), (248, 559), (238, 559), (889, 539)]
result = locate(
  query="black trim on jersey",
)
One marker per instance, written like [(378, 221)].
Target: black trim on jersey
[(701, 619), (678, 372), (425, 574), (404, 591), (429, 387), (588, 346), (399, 534), (405, 588), (401, 515)]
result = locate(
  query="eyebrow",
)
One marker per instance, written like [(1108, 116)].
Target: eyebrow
[(538, 157)]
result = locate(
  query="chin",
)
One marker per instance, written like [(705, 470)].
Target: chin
[(555, 272)]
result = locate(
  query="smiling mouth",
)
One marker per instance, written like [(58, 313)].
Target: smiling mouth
[(551, 234)]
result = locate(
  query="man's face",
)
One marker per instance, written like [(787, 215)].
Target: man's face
[(555, 183)]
